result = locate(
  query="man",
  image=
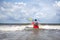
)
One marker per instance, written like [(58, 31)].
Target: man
[(35, 24)]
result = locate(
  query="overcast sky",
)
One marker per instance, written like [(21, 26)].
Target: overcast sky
[(19, 11)]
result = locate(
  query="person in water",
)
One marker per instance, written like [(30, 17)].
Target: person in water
[(35, 24)]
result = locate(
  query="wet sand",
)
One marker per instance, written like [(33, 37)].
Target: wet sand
[(30, 34)]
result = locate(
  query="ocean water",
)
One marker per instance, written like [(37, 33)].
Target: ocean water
[(26, 32), (22, 27)]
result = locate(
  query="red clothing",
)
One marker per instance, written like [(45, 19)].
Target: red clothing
[(35, 26)]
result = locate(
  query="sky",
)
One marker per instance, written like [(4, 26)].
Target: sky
[(23, 11)]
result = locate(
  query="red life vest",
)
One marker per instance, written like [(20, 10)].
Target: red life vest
[(35, 24)]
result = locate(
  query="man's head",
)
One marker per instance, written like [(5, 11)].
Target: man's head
[(35, 19)]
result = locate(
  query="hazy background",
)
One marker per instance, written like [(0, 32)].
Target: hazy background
[(23, 11)]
